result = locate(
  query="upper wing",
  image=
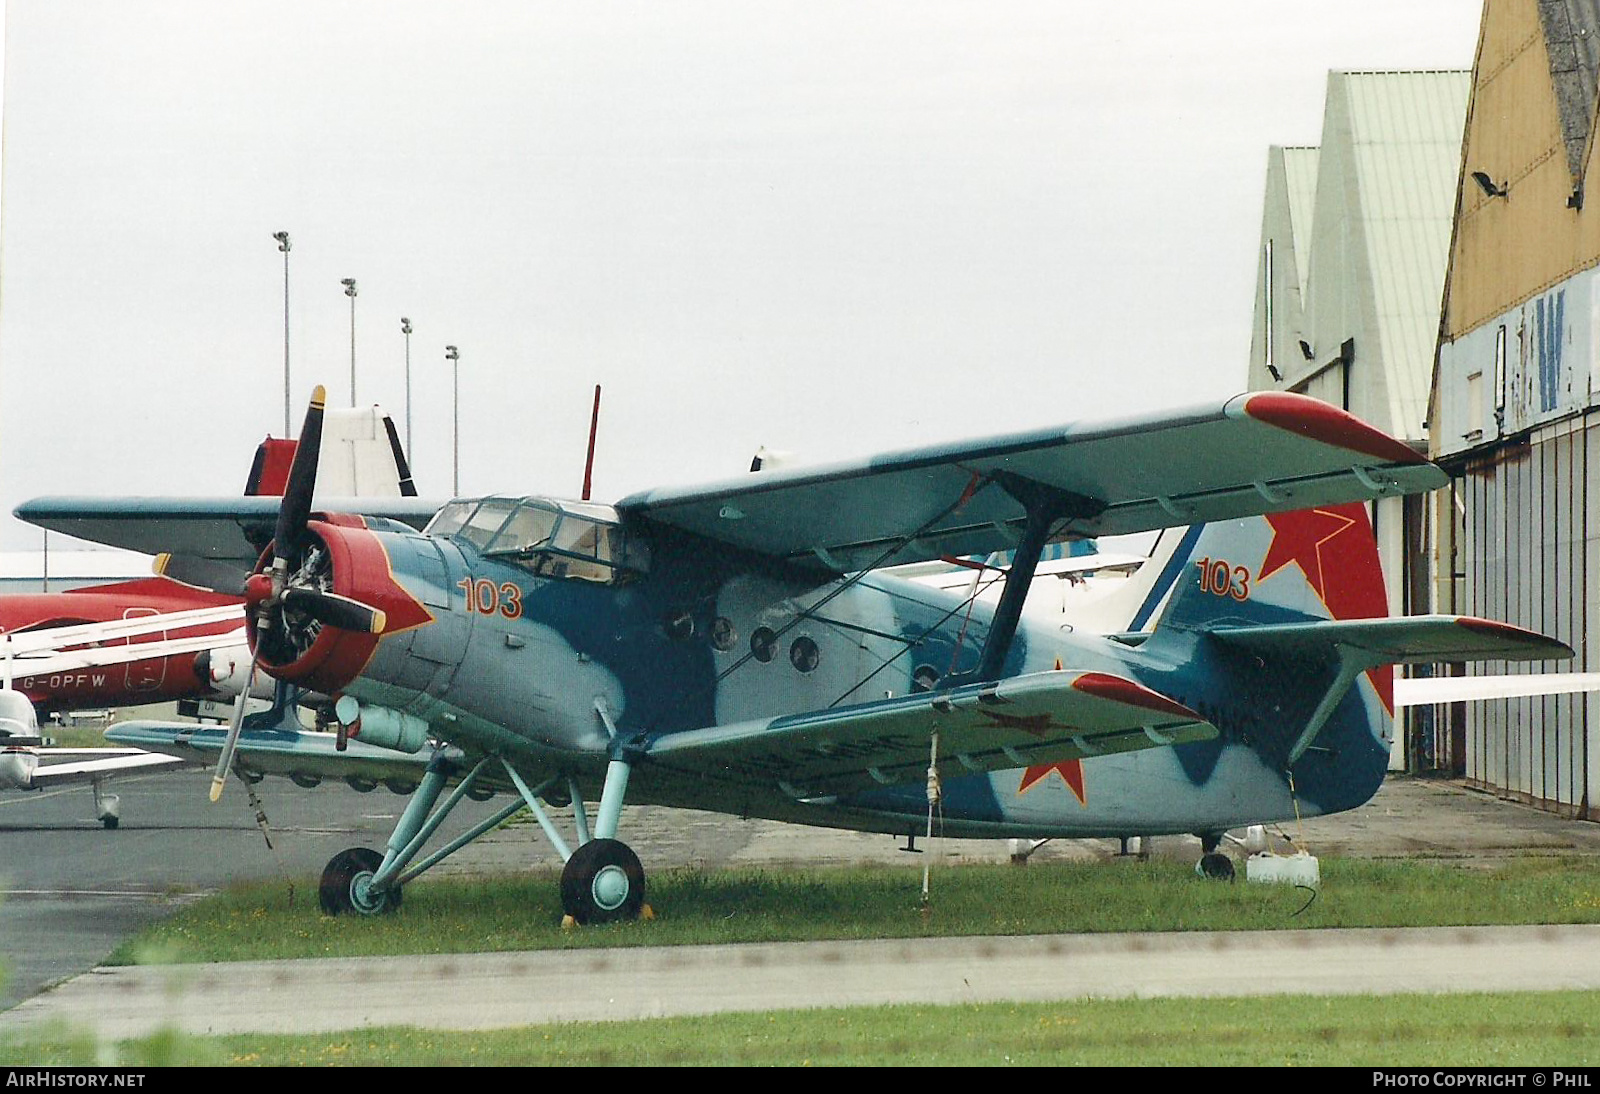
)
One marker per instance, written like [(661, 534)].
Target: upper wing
[(1254, 454), (1040, 718), (234, 530)]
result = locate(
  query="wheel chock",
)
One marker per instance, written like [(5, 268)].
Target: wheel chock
[(647, 913), (568, 923)]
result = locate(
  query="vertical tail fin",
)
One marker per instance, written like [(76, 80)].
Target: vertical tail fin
[(1283, 567), (1306, 567)]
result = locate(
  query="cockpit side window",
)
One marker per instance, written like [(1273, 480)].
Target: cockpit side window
[(483, 524), (528, 527), (449, 520), (546, 537)]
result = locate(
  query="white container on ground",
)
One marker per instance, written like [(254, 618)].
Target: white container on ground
[(1298, 869)]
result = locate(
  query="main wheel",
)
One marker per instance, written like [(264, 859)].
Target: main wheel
[(1215, 865), (347, 885), (603, 882)]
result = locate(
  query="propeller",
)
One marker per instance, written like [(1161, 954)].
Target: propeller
[(335, 610), (293, 599), (225, 760)]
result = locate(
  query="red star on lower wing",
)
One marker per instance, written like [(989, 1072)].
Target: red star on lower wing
[(1071, 772)]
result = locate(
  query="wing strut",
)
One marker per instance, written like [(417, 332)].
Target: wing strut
[(1047, 507)]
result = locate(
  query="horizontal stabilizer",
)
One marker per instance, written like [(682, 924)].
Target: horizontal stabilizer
[(1040, 718), (110, 761), (1415, 639)]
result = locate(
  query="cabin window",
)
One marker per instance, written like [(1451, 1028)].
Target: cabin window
[(763, 644), (804, 654)]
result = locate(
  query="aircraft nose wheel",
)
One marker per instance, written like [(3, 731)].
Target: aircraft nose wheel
[(346, 885), (603, 882)]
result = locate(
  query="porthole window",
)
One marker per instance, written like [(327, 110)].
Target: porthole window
[(924, 678), (680, 626), (804, 654), (723, 636), (763, 644)]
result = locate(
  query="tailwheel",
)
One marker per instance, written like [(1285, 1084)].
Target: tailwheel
[(347, 885), (603, 883)]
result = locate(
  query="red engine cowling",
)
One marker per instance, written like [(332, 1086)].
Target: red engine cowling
[(348, 561)]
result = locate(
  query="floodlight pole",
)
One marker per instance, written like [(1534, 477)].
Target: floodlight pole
[(405, 329), (453, 355), (283, 245), (349, 284)]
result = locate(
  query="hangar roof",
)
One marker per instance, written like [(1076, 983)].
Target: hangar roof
[(1405, 144), (1572, 38)]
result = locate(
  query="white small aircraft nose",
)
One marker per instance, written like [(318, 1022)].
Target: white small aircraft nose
[(16, 768)]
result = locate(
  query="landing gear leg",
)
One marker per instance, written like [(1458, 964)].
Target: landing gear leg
[(107, 806), (603, 881), (363, 882)]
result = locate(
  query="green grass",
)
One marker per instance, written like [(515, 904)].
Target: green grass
[(1498, 1030), (693, 906), (88, 736)]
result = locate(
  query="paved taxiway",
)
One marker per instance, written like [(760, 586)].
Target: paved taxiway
[(72, 891)]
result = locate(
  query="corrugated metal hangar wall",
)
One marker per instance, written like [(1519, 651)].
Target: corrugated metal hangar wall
[(1514, 413)]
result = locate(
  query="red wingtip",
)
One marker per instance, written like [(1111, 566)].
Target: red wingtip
[(1510, 632), (1327, 423), (1103, 685)]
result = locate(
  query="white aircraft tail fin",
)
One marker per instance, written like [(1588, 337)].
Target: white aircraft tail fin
[(361, 458)]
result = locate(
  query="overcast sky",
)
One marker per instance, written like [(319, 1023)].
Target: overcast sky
[(832, 228)]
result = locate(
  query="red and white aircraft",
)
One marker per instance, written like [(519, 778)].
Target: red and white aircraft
[(160, 639)]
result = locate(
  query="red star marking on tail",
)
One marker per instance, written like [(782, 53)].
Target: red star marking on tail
[(1071, 772), (1299, 538), (1334, 548)]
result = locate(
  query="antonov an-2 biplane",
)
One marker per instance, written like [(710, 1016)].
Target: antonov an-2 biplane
[(737, 647)]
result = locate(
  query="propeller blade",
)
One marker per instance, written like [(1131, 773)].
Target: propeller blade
[(295, 509), (225, 760), (335, 610)]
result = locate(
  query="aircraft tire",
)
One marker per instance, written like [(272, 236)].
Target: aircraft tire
[(1215, 866), (343, 889), (603, 883), (109, 822)]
